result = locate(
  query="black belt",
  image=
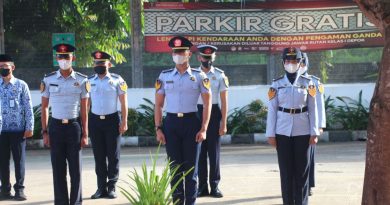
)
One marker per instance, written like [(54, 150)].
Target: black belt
[(180, 114), (105, 117), (293, 111), (64, 121), (213, 105)]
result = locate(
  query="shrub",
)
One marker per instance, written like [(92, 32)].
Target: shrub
[(149, 188), (248, 119)]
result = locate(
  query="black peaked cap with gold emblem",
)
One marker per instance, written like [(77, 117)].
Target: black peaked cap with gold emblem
[(180, 43)]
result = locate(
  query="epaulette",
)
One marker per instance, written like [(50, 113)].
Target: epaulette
[(315, 77), (91, 76), (50, 74), (82, 75), (217, 69), (305, 77), (115, 75), (167, 70), (196, 70), (278, 78)]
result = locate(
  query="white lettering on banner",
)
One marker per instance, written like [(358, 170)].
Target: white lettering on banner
[(256, 22)]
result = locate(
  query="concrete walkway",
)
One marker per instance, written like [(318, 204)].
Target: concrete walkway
[(249, 175)]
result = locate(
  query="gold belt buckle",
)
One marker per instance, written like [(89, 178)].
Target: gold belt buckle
[(65, 121), (102, 117), (180, 114)]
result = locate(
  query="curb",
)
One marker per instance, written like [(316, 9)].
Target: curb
[(255, 138)]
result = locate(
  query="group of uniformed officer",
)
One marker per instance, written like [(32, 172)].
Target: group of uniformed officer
[(295, 119), (67, 131), (195, 101)]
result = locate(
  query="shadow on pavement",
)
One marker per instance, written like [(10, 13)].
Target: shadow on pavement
[(239, 201)]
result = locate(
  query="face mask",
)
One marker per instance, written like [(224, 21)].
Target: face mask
[(207, 64), (5, 72), (291, 68), (65, 64), (178, 59), (100, 69)]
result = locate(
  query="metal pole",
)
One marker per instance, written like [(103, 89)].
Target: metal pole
[(136, 43), (1, 27)]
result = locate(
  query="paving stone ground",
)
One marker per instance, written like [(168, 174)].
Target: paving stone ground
[(250, 175)]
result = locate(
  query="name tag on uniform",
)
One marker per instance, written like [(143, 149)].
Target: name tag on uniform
[(12, 103), (169, 81)]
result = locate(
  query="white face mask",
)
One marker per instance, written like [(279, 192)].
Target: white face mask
[(291, 68), (178, 59), (65, 64)]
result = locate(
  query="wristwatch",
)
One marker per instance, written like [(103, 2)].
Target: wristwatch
[(44, 132), (158, 128)]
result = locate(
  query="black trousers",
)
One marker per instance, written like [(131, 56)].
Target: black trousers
[(15, 143), (183, 150), (105, 140), (65, 147), (312, 181), (293, 157), (211, 148)]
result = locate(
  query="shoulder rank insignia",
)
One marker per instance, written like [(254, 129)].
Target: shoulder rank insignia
[(280, 77), (158, 84), (312, 90), (88, 86), (226, 81), (321, 88), (82, 75), (123, 86), (206, 83), (42, 86), (271, 93), (50, 74)]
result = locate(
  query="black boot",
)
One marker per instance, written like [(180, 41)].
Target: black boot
[(203, 190), (216, 193)]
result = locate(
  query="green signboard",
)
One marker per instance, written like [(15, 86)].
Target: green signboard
[(58, 38)]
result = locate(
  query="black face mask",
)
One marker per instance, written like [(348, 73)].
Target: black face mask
[(100, 69), (207, 64), (5, 72)]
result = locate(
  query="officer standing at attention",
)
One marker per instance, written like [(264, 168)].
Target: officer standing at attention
[(17, 125), (321, 116), (217, 125), (67, 91), (182, 131), (105, 126), (292, 124)]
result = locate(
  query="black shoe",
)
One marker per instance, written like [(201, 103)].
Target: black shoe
[(203, 191), (100, 193), (111, 193), (216, 193), (5, 196), (310, 192), (20, 196)]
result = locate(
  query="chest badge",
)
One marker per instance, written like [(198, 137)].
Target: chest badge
[(271, 93), (192, 78), (76, 84), (214, 78)]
